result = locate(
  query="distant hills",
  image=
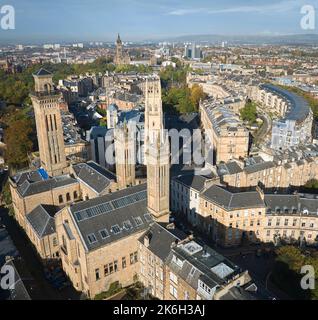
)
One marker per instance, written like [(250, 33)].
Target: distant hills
[(295, 39)]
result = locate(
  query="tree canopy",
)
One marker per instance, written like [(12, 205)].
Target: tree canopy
[(249, 112), (19, 137), (287, 271)]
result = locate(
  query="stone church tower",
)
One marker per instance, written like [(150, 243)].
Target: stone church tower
[(125, 155), (45, 102), (120, 56), (157, 154)]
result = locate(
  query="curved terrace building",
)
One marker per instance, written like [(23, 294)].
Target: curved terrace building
[(295, 127)]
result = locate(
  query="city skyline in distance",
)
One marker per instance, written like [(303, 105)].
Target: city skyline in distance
[(141, 20)]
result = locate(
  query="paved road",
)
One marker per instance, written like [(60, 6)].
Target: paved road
[(266, 127), (33, 262)]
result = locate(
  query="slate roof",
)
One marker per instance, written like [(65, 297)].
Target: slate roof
[(42, 72), (193, 181), (231, 201), (291, 204), (259, 167), (31, 176), (229, 168), (105, 212), (201, 266), (29, 188), (160, 240), (281, 201), (41, 219), (95, 176)]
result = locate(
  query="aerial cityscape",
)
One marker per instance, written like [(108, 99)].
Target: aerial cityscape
[(177, 162)]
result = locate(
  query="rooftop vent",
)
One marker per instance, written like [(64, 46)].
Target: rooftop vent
[(192, 248)]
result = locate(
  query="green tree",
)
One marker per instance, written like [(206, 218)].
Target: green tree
[(249, 112), (18, 142), (312, 184)]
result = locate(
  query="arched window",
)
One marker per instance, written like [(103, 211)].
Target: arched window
[(75, 195), (68, 197), (60, 198)]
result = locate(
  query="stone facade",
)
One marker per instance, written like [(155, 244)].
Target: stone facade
[(226, 134), (45, 101)]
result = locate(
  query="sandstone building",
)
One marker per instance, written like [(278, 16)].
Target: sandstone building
[(45, 101)]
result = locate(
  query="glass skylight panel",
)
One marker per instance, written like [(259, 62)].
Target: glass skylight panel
[(104, 233), (91, 238), (138, 221), (78, 216), (89, 212), (116, 229)]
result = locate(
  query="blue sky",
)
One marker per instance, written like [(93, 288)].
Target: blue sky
[(81, 20)]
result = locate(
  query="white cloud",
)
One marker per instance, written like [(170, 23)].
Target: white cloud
[(282, 6)]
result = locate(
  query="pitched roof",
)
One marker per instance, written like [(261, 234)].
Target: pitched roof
[(42, 72), (259, 167), (126, 210), (192, 181), (28, 187), (231, 201), (160, 240), (41, 219), (95, 176)]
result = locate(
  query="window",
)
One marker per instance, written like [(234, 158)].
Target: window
[(186, 295), (173, 278), (106, 270), (91, 238), (123, 262), (97, 276), (204, 287), (54, 242), (60, 198), (104, 234), (68, 197), (173, 291), (115, 265), (75, 195), (134, 257), (286, 222), (111, 268), (268, 233)]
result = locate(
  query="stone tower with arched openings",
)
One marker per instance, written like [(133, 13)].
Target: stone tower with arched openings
[(157, 153), (125, 155), (48, 120)]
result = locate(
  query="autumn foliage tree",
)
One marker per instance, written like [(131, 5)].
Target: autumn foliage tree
[(18, 141)]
